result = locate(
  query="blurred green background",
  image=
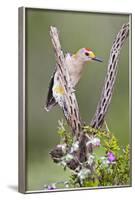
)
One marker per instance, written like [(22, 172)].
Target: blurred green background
[(77, 30)]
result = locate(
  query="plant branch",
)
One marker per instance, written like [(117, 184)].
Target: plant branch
[(78, 155), (110, 79), (69, 103)]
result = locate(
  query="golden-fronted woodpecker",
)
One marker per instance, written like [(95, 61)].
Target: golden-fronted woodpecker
[(75, 64)]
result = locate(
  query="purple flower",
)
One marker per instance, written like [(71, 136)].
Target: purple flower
[(111, 156), (97, 142), (50, 187)]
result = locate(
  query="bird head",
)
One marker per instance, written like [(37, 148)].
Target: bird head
[(86, 54)]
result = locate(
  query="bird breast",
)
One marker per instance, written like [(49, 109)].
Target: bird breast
[(75, 68)]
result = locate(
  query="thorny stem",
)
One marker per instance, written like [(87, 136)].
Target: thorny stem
[(111, 74)]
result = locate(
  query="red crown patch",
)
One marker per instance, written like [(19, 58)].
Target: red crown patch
[(87, 49)]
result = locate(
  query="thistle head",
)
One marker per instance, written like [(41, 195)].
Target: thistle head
[(86, 54)]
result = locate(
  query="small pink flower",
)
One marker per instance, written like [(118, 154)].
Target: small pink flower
[(111, 156), (96, 142), (50, 187)]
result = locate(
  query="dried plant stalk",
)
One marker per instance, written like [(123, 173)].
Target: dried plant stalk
[(68, 103), (107, 91)]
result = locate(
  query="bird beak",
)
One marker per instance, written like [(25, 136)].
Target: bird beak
[(98, 59), (93, 57)]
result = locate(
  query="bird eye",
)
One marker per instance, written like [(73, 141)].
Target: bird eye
[(86, 53)]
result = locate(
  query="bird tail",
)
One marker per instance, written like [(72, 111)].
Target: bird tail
[(50, 102)]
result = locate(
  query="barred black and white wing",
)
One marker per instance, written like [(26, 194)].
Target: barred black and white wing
[(50, 101)]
